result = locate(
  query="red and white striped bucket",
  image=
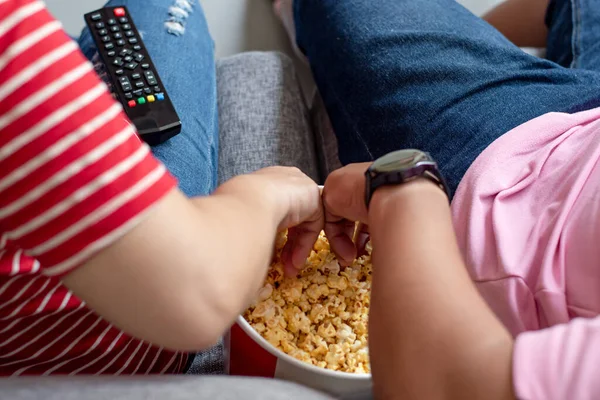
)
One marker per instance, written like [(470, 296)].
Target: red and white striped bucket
[(249, 354)]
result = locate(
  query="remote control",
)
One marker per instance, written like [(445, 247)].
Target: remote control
[(136, 83)]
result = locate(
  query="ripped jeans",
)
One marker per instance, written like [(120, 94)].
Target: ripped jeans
[(176, 36)]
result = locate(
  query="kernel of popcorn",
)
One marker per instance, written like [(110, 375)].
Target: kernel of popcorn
[(301, 355), (331, 268), (345, 333), (326, 330), (318, 313), (297, 321), (321, 347), (319, 317), (265, 292), (259, 327), (313, 292), (304, 305), (337, 282), (321, 244), (318, 278), (263, 308), (360, 328), (291, 290), (360, 369), (280, 240)]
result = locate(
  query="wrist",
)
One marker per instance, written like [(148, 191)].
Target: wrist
[(419, 193), (257, 194)]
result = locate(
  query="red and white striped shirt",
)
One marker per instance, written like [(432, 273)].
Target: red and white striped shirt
[(74, 178)]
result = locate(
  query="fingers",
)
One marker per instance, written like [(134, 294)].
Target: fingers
[(344, 193), (302, 237), (361, 237), (340, 231)]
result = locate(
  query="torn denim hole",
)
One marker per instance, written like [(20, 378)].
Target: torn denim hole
[(178, 14), (101, 71)]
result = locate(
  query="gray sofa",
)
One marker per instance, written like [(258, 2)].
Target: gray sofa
[(264, 121)]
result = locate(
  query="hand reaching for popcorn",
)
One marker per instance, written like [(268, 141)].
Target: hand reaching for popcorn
[(344, 202), (297, 201)]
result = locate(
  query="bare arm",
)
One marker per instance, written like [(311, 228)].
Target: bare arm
[(182, 275), (431, 334), (521, 21)]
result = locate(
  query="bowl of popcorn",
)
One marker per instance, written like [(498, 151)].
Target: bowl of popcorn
[(310, 329)]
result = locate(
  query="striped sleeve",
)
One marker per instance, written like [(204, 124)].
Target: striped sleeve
[(74, 176)]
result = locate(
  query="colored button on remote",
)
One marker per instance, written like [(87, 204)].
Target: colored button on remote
[(119, 12), (151, 99), (131, 103), (141, 100), (160, 96)]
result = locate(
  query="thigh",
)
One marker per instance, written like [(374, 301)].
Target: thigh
[(176, 35), (427, 74), (574, 33)]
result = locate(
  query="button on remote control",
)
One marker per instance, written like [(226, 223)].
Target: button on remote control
[(119, 12), (111, 21), (100, 25), (123, 20), (96, 17)]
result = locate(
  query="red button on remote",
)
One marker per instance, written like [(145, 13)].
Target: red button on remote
[(131, 103), (119, 12)]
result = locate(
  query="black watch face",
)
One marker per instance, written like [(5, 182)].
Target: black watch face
[(399, 160)]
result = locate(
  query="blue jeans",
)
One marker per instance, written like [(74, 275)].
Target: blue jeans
[(428, 74), (186, 65)]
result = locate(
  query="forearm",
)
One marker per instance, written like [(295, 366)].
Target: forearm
[(521, 21), (239, 225), (181, 276), (431, 334)]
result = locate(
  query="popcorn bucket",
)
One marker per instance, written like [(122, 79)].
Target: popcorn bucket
[(249, 354)]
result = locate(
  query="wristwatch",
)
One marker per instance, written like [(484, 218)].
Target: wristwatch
[(400, 167)]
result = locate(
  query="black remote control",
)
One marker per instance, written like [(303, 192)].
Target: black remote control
[(136, 83)]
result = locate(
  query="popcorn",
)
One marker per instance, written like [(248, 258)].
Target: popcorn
[(320, 317)]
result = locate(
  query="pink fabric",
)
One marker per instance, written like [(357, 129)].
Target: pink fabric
[(527, 217)]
